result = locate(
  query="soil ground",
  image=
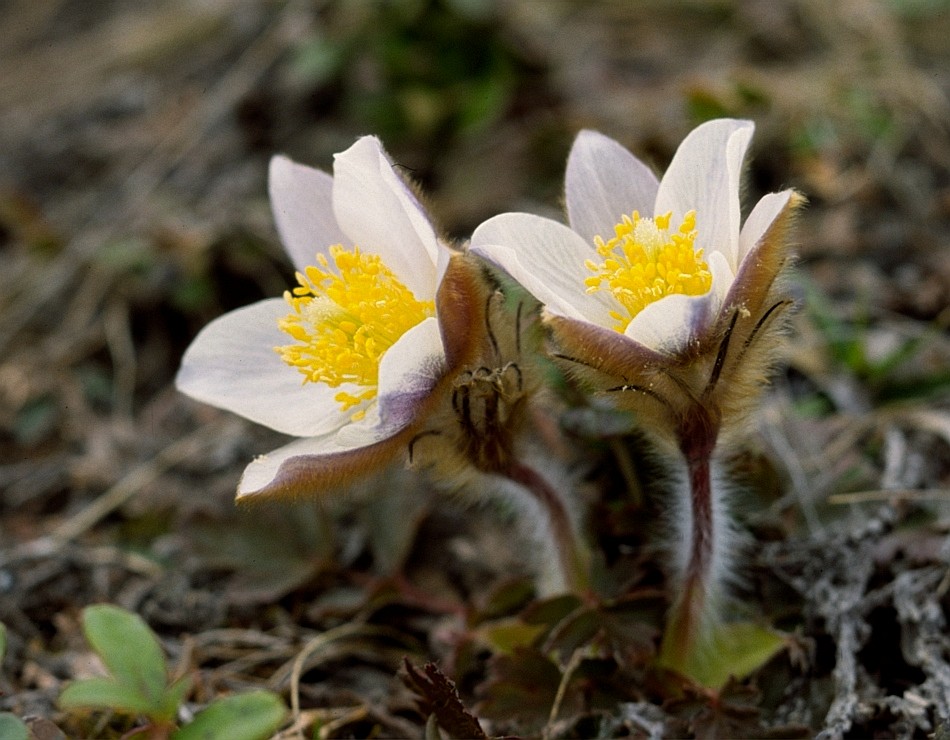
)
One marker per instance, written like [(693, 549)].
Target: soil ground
[(134, 142)]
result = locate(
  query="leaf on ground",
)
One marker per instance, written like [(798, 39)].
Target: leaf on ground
[(398, 502), (550, 612), (107, 693), (441, 699), (270, 553), (132, 654), (504, 635), (734, 649), (732, 712), (631, 627), (255, 715), (577, 629), (12, 728), (505, 599), (522, 686)]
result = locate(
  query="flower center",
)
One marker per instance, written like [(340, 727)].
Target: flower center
[(645, 261), (344, 320)]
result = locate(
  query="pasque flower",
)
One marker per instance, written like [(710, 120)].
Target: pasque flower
[(660, 298), (348, 358), (390, 346)]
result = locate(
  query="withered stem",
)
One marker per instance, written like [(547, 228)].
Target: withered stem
[(573, 562)]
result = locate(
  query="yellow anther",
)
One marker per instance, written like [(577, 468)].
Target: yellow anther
[(644, 262), (344, 319)]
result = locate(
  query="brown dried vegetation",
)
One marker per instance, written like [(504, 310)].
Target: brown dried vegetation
[(134, 139)]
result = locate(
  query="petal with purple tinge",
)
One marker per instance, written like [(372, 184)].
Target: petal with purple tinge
[(314, 467), (669, 324), (407, 374)]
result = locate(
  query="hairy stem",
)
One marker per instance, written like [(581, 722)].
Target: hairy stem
[(572, 555), (691, 607)]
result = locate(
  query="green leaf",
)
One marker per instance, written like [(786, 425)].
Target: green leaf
[(175, 695), (504, 635), (3, 640), (505, 599), (521, 686), (108, 693), (12, 728), (132, 653), (255, 715), (432, 729), (735, 649)]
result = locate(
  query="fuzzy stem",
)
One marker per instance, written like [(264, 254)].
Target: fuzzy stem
[(686, 617), (691, 607), (573, 557)]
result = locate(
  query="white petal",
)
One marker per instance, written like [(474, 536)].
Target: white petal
[(408, 372), (302, 202), (759, 221), (704, 176), (603, 183), (669, 324), (231, 364), (264, 468), (547, 258), (722, 278), (379, 212)]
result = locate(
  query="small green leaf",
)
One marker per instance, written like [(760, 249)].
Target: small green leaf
[(3, 640), (175, 695), (505, 599), (132, 654), (255, 715), (107, 693), (735, 649), (12, 728), (521, 686), (504, 635), (432, 729)]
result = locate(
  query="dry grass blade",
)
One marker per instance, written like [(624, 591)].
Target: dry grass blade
[(177, 452)]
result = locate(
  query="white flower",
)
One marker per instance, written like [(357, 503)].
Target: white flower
[(657, 299), (348, 358), (654, 260)]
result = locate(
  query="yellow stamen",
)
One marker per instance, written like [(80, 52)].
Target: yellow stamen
[(644, 262), (344, 320)]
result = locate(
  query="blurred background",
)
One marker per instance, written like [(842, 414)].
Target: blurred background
[(134, 142)]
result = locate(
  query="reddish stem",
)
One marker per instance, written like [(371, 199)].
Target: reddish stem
[(697, 440)]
